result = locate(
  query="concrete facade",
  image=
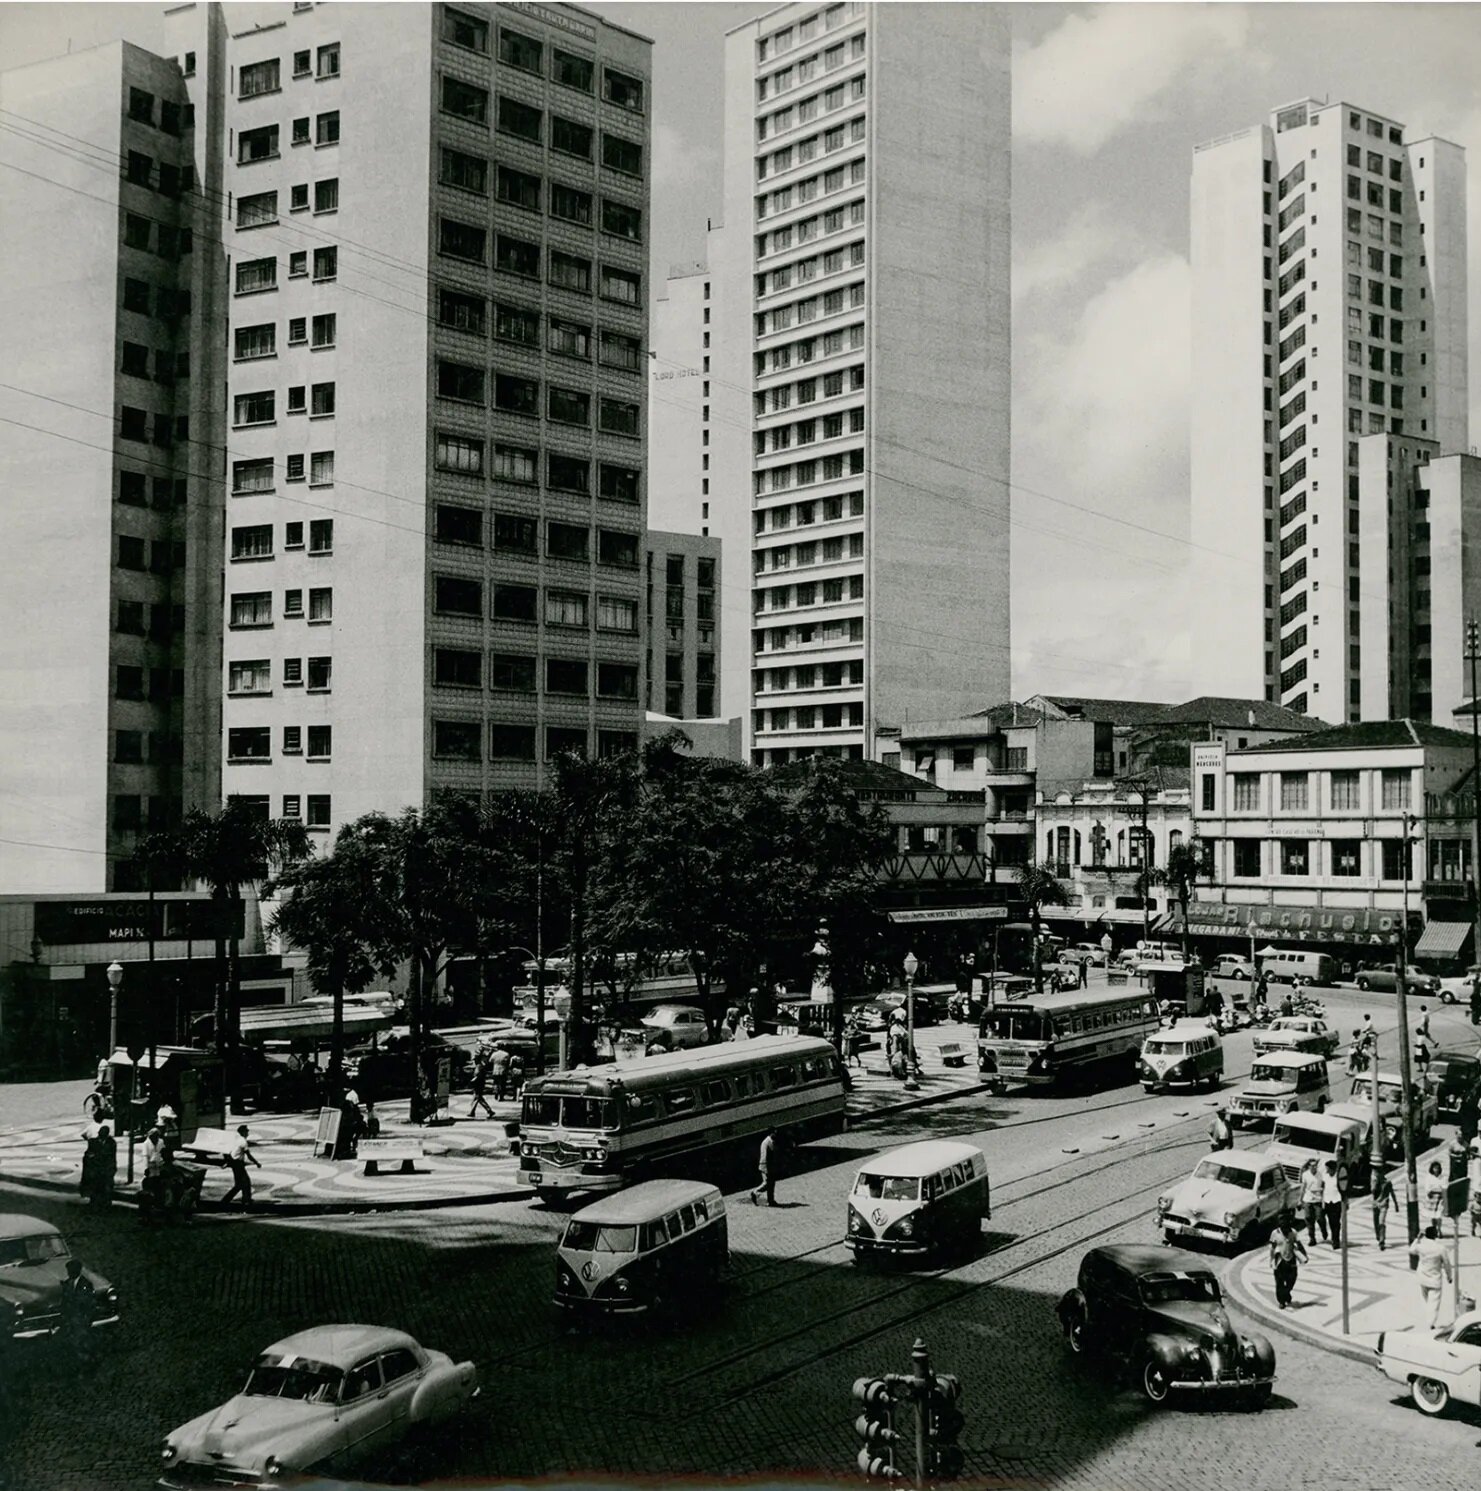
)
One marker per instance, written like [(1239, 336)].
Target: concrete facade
[(682, 572), (434, 557), (852, 261), (678, 458), (1321, 231), (109, 726)]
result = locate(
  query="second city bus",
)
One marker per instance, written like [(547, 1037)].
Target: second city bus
[(1044, 1038)]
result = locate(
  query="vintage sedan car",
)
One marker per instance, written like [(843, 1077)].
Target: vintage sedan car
[(1457, 988), (676, 1027), (1454, 1074), (1435, 1366), (320, 1399), (1159, 1315), (1297, 1033), (1385, 976), (875, 1014), (1231, 965), (385, 1071), (1230, 1198), (33, 1268)]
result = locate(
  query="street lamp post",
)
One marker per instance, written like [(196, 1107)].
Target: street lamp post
[(911, 965), (115, 978)]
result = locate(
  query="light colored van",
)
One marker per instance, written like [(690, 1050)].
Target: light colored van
[(1281, 1082), (1299, 1137), (920, 1198), (1296, 965), (1184, 1056)]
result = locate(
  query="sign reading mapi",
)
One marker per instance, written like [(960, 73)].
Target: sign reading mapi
[(69, 923)]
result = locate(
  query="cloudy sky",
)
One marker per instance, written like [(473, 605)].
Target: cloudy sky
[(1109, 101)]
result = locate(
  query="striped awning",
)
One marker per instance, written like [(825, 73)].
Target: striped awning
[(1442, 940)]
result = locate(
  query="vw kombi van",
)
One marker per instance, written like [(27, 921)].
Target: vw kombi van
[(1183, 1056), (1281, 1082), (643, 1248), (920, 1198)]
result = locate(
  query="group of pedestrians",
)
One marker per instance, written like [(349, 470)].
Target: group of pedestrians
[(496, 1068)]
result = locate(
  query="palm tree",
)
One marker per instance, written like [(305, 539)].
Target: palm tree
[(1040, 887), (1180, 874)]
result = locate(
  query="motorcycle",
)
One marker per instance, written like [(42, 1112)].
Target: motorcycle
[(174, 1192)]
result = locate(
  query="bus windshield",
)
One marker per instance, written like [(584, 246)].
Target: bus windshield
[(590, 1237), (1014, 1025), (549, 1110)]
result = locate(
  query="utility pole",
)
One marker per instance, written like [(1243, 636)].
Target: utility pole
[(1473, 648), (1140, 787), (1406, 1082)]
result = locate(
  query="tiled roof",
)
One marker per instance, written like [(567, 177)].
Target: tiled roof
[(868, 776), (1257, 714), (1107, 711), (1371, 735)]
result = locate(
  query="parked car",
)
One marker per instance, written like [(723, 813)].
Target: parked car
[(1456, 988), (1086, 952), (1158, 1315), (1298, 966), (1228, 965), (33, 1268), (1230, 1198), (1453, 1074), (676, 1027), (1297, 1033), (1299, 1137), (1281, 1082), (1435, 1366), (874, 1014), (329, 1393), (1385, 976)]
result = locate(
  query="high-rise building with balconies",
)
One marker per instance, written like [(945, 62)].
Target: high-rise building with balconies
[(1329, 304), (437, 227), (862, 308)]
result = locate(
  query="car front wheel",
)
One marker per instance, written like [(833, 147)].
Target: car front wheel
[(1074, 1332), (1154, 1382), (1364, 985), (1429, 1396), (1446, 997)]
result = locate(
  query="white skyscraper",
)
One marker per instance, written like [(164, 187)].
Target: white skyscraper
[(861, 307), (1329, 304)]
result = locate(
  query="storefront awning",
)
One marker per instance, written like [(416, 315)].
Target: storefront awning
[(1442, 940)]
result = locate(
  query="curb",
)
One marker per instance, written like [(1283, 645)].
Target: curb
[(298, 1208), (1280, 1320)]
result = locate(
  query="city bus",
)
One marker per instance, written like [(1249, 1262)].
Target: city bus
[(1044, 1038), (597, 1128), (668, 979)]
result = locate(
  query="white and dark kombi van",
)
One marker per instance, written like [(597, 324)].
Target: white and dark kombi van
[(921, 1198), (1181, 1056), (1298, 965)]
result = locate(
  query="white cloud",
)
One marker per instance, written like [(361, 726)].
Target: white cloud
[(678, 162), (1090, 240), (1101, 421), (1107, 68)]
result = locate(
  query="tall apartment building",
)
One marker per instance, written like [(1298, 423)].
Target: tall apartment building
[(1329, 304), (862, 284), (437, 388), (683, 571), (678, 395), (109, 612)]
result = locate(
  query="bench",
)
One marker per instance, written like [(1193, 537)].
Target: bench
[(209, 1145), (1115, 975), (377, 1151), (953, 1053)]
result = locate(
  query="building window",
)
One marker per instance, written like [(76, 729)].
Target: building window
[(520, 119), (253, 341), (512, 742), (292, 608), (457, 668), (1246, 858), (619, 483), (567, 541), (616, 614), (252, 677), (1246, 792), (454, 596), (322, 399), (462, 241), (460, 453), (464, 30), (617, 681), (512, 673), (252, 609), (622, 155), (566, 676), (568, 339), (515, 256), (1208, 788), (1347, 857), (514, 602), (318, 810), (258, 77), (257, 144), (513, 323), (1345, 790), (518, 189), (252, 275), (325, 328), (321, 536), (1395, 789), (257, 210), (622, 221), (326, 263), (569, 204), (321, 468), (459, 525), (567, 272), (619, 550), (618, 350), (514, 463), (320, 672), (618, 417), (570, 138), (565, 608), (465, 101), (568, 473), (624, 91), (1293, 795), (251, 743), (569, 406), (560, 742), (254, 408), (517, 395), (1395, 854), (1294, 856), (571, 71), (622, 286), (254, 541), (457, 380), (469, 173), (456, 740)]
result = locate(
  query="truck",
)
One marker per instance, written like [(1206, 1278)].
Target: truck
[(1359, 1105), (1333, 1135)]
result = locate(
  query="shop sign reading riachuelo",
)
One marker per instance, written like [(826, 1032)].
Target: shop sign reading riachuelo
[(1296, 923)]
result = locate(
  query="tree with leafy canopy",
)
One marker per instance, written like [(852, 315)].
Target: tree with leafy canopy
[(1180, 875), (1040, 887)]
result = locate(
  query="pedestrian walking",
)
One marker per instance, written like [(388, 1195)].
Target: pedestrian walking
[(1357, 1055), (372, 1121), (480, 1081), (1286, 1256), (1422, 1030), (1432, 1197), (1473, 1181), (1433, 1269), (768, 1167), (1084, 972), (1383, 1200), (516, 1076), (1262, 989), (1309, 1204), (239, 1158), (1220, 1136), (99, 1167), (498, 1070), (1332, 1203), (853, 1043), (77, 1311)]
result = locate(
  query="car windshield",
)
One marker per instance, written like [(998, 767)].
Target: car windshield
[(1229, 1175), (1167, 1289), (888, 1187), (1304, 1138), (1388, 1092), (1267, 1072), (593, 1237), (16, 1252), (297, 1377)]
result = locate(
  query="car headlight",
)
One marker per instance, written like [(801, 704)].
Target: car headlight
[(272, 1466), (1192, 1351), (1164, 1203), (855, 1222), (622, 1284), (168, 1453), (907, 1228), (1230, 1218)]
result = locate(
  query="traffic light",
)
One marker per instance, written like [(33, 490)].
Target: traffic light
[(1457, 1188), (944, 1423), (876, 1428)]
